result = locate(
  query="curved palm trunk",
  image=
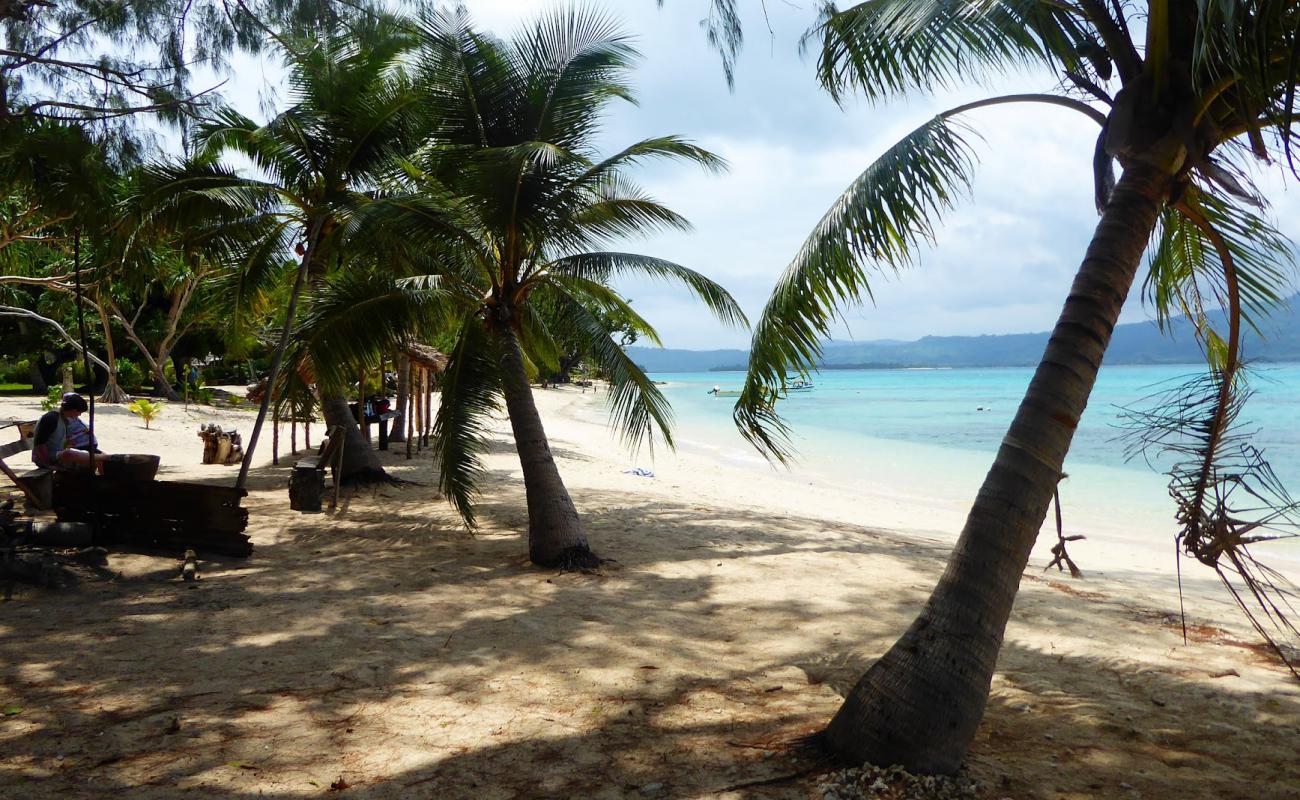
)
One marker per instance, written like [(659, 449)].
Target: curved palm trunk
[(273, 377), (921, 703), (555, 535), (360, 460)]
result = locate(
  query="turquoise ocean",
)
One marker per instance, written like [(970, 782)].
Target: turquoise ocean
[(920, 434)]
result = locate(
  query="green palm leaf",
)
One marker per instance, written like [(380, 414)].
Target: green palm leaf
[(357, 317), (1187, 277), (890, 47), (878, 223), (636, 406), (470, 391), (603, 267)]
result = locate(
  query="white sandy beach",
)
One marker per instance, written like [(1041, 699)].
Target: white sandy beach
[(387, 647)]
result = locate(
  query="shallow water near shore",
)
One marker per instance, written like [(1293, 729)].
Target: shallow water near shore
[(929, 436)]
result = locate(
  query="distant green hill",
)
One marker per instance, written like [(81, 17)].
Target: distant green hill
[(1135, 343)]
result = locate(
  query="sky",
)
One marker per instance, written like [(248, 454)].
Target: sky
[(1004, 259)]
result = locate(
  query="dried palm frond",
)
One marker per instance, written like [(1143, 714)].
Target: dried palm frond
[(1228, 498), (1227, 495)]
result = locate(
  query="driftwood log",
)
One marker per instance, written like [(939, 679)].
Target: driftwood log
[(221, 447)]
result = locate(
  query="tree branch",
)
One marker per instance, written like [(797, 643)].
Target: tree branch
[(101, 112), (13, 311)]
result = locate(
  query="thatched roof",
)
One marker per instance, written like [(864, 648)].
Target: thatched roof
[(425, 356)]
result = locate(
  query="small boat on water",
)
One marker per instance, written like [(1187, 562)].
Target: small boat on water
[(799, 386)]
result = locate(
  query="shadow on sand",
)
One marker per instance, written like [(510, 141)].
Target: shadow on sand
[(385, 649)]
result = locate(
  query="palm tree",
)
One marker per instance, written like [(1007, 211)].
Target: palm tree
[(1183, 101), (518, 205), (317, 163)]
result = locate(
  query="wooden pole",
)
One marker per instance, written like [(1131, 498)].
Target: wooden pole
[(275, 435), (361, 406), (293, 433), (417, 396), (408, 416), (306, 428), (428, 406)]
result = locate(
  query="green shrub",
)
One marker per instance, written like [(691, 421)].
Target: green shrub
[(146, 410), (130, 375), (52, 398), (18, 371), (204, 395)]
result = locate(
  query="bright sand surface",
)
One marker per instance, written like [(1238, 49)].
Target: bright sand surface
[(385, 648)]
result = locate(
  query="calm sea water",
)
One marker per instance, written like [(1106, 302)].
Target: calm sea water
[(920, 433)]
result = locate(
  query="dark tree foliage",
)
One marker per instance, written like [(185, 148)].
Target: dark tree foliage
[(97, 60)]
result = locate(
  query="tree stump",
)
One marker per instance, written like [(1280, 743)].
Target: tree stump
[(306, 488)]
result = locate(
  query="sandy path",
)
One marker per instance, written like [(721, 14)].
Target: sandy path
[(385, 646)]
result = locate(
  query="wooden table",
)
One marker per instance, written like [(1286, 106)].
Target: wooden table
[(382, 419)]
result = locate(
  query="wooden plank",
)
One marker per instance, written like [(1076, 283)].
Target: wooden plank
[(30, 492)]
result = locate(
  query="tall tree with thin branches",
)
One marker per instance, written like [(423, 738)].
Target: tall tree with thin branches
[(1183, 101)]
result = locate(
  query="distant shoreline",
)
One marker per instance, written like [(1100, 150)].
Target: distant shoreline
[(908, 367)]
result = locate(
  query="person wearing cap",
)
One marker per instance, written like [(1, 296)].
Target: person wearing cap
[(63, 440)]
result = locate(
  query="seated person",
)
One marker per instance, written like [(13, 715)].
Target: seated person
[(63, 440)]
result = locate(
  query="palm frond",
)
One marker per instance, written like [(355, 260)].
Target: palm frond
[(637, 409), (357, 317), (471, 390), (539, 345), (646, 149), (573, 61), (597, 296), (1186, 276), (1229, 500), (603, 267), (878, 223), (889, 47)]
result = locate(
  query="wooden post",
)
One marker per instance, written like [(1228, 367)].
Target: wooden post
[(407, 419), (417, 410), (306, 428), (361, 406), (293, 432), (428, 406), (275, 434)]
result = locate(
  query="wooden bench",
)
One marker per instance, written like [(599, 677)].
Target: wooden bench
[(307, 481), (37, 485)]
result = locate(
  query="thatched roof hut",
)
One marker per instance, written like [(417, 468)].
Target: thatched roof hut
[(426, 357)]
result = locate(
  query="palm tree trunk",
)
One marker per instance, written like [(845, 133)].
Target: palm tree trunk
[(361, 464), (555, 535), (272, 378), (921, 703)]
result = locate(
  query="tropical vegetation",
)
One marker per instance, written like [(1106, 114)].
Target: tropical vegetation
[(426, 181), (509, 190)]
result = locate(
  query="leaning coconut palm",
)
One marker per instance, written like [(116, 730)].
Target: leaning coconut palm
[(509, 184), (1183, 100), (316, 164)]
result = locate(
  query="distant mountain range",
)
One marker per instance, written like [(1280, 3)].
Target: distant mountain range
[(1134, 343)]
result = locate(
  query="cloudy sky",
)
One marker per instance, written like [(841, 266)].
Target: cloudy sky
[(1005, 257)]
